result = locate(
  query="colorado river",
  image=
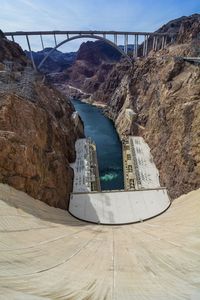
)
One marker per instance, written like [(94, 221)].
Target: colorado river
[(109, 149)]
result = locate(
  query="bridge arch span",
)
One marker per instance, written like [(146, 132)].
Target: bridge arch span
[(94, 36)]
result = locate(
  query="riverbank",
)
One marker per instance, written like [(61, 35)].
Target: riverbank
[(94, 103), (76, 93)]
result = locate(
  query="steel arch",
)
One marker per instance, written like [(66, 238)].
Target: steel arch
[(97, 37)]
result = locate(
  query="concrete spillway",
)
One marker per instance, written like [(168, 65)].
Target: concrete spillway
[(119, 207), (47, 254)]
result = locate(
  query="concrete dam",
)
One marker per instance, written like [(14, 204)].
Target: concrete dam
[(48, 254)]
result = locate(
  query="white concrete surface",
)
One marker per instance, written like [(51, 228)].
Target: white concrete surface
[(119, 207), (145, 168), (47, 254), (75, 118), (82, 170), (130, 114)]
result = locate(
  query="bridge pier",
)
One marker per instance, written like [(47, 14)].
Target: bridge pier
[(55, 41), (29, 47), (126, 43), (172, 39), (153, 45), (163, 43), (42, 42), (135, 50), (145, 45), (115, 39), (156, 43)]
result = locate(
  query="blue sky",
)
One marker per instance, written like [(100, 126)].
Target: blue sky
[(132, 15)]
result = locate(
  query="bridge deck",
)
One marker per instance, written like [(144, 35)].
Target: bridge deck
[(50, 32)]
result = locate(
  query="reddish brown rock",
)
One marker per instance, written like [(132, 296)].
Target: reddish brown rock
[(37, 144), (164, 92), (12, 51), (37, 134), (93, 62), (168, 109)]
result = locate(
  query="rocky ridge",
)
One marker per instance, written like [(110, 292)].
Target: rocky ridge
[(38, 130), (55, 63), (11, 51), (93, 62)]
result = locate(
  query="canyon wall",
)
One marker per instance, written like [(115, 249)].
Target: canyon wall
[(163, 93), (38, 130), (94, 60)]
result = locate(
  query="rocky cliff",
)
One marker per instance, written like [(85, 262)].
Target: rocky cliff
[(38, 129), (93, 62), (11, 52), (163, 92), (187, 28)]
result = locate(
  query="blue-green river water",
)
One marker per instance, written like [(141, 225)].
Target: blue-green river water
[(109, 149)]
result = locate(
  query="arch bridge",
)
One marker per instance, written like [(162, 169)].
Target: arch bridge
[(143, 41)]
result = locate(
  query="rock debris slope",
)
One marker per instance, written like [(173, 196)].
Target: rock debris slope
[(47, 254)]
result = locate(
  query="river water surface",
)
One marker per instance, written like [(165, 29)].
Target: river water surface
[(109, 149)]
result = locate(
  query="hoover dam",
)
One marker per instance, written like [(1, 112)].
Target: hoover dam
[(48, 254), (99, 152)]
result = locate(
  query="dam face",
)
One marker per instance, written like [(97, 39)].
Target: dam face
[(48, 254), (119, 207)]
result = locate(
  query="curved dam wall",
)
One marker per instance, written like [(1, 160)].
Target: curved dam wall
[(119, 207), (47, 254)]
